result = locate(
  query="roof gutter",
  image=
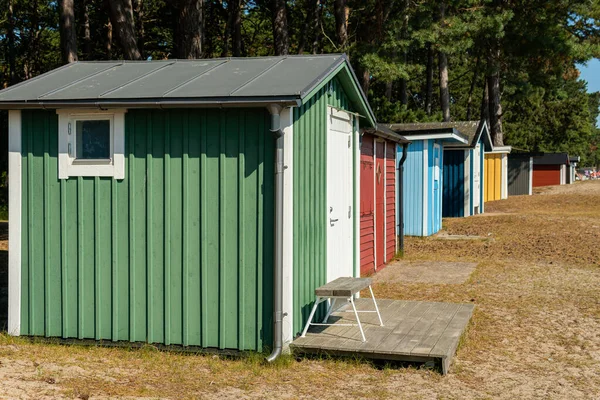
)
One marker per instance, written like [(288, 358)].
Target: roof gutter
[(500, 150), (441, 136), (275, 111), (159, 103), (401, 195), (386, 133)]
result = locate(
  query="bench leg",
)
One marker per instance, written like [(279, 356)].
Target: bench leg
[(330, 310), (362, 333), (376, 308), (310, 317)]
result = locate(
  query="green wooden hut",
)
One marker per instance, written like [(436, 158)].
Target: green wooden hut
[(193, 203)]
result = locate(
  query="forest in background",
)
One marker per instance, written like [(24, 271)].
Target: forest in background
[(512, 62)]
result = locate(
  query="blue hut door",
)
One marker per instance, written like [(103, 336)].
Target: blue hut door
[(437, 192)]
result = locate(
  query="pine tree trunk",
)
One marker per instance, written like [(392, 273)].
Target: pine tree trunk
[(444, 92), (226, 33), (87, 35), (493, 86), (121, 17), (366, 81), (472, 89), (236, 28), (443, 68), (189, 29), (389, 86), (341, 27), (429, 80), (495, 107), (280, 28), (309, 23), (484, 113), (403, 35), (139, 24), (10, 36), (68, 35), (31, 67), (318, 26), (109, 40)]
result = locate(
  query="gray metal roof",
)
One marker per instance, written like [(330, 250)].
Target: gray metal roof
[(472, 130), (383, 131), (551, 159), (287, 79)]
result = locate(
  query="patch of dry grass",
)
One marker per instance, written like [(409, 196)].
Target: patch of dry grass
[(535, 332)]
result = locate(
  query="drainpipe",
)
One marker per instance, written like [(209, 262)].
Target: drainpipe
[(275, 111), (401, 195)]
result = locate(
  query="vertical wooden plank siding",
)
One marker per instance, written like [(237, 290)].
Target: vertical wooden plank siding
[(518, 175), (453, 200), (546, 175), (413, 189), (178, 252), (367, 206), (493, 177), (310, 196), (390, 204)]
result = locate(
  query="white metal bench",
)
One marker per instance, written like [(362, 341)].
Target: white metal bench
[(345, 289)]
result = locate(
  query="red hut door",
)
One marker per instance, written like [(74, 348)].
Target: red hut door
[(379, 203)]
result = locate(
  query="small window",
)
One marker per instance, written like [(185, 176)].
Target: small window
[(91, 143), (93, 140)]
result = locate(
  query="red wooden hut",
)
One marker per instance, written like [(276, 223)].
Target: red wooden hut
[(550, 169), (378, 207)]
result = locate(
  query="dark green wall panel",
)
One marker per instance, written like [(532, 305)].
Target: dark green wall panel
[(178, 252)]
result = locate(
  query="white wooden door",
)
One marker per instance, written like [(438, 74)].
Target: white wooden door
[(437, 188), (476, 178), (339, 194)]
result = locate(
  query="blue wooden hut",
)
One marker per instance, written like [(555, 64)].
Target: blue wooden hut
[(464, 169), (422, 176)]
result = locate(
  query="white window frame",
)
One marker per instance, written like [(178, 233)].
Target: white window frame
[(69, 166)]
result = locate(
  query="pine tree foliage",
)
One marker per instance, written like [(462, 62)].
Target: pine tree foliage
[(522, 53)]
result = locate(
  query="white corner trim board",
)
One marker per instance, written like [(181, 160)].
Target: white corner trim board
[(530, 176), (14, 226), (504, 178), (66, 165), (287, 124), (467, 184), (356, 190)]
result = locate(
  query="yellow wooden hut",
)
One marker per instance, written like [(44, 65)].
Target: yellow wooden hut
[(496, 174)]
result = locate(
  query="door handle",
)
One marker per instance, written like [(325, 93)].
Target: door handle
[(332, 220)]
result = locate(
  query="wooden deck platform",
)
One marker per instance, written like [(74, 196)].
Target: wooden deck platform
[(413, 331)]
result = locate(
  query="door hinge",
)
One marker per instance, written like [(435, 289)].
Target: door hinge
[(69, 128), (349, 211), (349, 141)]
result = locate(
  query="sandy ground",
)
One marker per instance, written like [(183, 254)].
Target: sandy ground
[(535, 332)]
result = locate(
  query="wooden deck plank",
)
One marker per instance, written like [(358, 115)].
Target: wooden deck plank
[(453, 331), (414, 332), (366, 303), (414, 315), (353, 339), (331, 338), (343, 286), (420, 328), (401, 311), (374, 338), (436, 330)]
